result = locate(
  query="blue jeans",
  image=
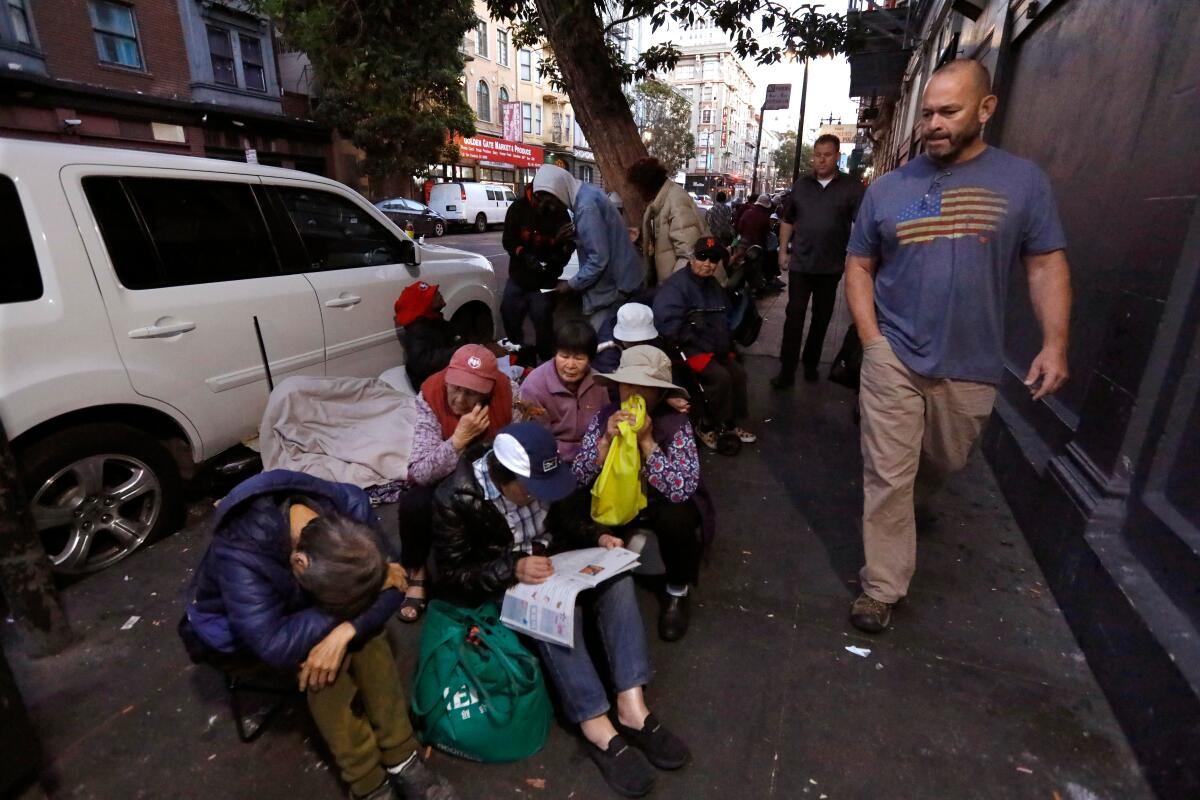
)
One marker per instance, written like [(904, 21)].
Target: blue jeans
[(516, 305), (613, 606)]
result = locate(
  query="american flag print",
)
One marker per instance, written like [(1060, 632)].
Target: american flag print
[(951, 214)]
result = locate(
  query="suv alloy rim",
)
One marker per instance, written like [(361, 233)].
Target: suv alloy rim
[(96, 511)]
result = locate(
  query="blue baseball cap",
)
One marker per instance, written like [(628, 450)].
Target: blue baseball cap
[(529, 451)]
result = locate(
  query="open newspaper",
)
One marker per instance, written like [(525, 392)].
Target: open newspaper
[(546, 610)]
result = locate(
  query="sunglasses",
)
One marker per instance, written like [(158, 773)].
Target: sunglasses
[(713, 255)]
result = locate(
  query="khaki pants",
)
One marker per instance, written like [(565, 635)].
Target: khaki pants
[(915, 432), (385, 737)]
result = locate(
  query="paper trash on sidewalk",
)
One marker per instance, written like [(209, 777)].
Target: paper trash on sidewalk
[(861, 652), (129, 623)]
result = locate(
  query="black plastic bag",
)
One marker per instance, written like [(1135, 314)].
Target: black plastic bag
[(847, 364)]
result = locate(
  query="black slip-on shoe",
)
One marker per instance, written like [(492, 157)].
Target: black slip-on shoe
[(662, 748), (625, 769), (674, 617), (418, 782)]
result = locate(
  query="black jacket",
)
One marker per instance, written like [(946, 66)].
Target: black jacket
[(693, 313), (472, 545), (428, 346), (535, 261)]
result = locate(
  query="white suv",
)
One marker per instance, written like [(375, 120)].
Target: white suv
[(141, 296)]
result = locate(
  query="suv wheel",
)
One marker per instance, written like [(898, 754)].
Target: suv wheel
[(100, 492), (439, 229), (481, 223), (474, 323)]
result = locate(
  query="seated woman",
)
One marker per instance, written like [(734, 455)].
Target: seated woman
[(671, 468), (296, 579), (496, 519), (429, 340), (464, 404), (633, 324), (691, 311), (565, 388)]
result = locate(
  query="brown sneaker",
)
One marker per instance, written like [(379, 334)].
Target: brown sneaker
[(870, 615)]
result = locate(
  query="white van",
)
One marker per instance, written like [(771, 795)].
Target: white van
[(468, 203), (142, 294)]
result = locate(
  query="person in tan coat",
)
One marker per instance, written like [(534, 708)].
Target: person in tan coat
[(671, 223)]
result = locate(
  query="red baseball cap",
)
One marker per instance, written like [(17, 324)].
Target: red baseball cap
[(414, 302), (473, 367)]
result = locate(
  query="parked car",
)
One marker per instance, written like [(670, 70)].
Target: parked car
[(143, 293), (469, 203), (425, 221), (702, 200)]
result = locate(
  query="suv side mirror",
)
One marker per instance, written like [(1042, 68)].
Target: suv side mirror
[(410, 253)]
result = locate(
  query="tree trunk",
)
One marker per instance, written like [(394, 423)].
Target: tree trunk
[(25, 577), (576, 36)]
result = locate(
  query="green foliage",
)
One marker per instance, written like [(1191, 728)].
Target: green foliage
[(803, 31), (389, 73), (784, 156), (663, 118)]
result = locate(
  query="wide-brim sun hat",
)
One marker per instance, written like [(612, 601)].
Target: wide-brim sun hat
[(644, 365)]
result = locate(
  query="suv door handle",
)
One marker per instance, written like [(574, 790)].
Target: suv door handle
[(162, 331), (343, 301)]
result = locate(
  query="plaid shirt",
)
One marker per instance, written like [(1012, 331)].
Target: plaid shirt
[(527, 523)]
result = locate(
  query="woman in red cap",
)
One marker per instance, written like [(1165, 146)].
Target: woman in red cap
[(461, 406), (429, 340)]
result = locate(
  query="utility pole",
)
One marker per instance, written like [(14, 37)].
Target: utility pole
[(762, 114), (25, 577), (800, 126)]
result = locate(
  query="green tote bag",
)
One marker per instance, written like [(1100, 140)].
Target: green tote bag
[(478, 693)]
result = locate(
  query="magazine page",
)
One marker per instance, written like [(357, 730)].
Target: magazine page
[(546, 610), (594, 565)]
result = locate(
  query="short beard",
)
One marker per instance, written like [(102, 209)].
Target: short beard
[(957, 145)]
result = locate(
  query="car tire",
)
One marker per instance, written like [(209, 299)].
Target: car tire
[(481, 223), (439, 230), (474, 323), (100, 492)]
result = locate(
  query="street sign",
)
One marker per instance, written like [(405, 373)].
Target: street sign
[(779, 96), (844, 133)]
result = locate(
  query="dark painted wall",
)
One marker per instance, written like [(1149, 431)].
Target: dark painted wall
[(1106, 97)]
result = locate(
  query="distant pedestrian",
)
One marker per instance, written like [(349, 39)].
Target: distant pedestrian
[(610, 271), (539, 242), (671, 223), (720, 219), (816, 221), (926, 280)]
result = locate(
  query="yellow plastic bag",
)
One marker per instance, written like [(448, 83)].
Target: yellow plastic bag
[(617, 495)]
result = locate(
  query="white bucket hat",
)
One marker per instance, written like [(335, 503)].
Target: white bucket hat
[(635, 323)]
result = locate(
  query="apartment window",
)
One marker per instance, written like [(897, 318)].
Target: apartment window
[(220, 50), (527, 117), (525, 60), (502, 47), (706, 116), (115, 30), (537, 119), (18, 16), (712, 67), (569, 131), (252, 63), (481, 38), (537, 69), (483, 101), (708, 92), (688, 93), (503, 100)]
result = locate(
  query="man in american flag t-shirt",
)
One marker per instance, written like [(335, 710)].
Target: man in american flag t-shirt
[(927, 273)]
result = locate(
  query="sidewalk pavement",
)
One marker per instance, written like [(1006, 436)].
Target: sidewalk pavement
[(979, 691)]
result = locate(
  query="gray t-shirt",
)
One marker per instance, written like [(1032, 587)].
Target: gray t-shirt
[(947, 239)]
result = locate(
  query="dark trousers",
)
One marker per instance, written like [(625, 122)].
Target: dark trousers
[(415, 513), (724, 385), (677, 526), (823, 289), (516, 305)]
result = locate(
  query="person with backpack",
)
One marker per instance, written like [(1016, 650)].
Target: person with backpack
[(720, 219)]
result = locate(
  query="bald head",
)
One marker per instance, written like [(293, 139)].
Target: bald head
[(967, 73), (957, 103)]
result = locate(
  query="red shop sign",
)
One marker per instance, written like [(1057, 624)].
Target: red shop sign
[(487, 148)]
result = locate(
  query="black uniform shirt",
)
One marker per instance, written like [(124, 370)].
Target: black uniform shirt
[(820, 218)]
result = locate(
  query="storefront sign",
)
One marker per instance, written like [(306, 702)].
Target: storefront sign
[(511, 117), (486, 148), (844, 133)]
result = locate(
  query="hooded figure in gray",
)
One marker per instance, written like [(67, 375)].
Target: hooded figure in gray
[(610, 270)]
